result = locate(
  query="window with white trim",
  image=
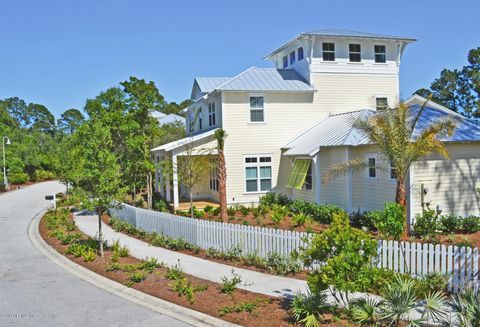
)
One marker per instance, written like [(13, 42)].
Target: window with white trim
[(308, 183), (213, 175), (380, 52), (381, 103), (355, 54), (393, 171), (285, 61), (191, 122), (300, 53), (256, 109), (372, 167), (258, 174), (200, 119), (292, 57), (211, 114), (328, 51)]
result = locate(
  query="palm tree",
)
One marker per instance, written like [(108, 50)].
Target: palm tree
[(401, 142), (220, 136)]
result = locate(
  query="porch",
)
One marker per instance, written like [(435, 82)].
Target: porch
[(184, 204)]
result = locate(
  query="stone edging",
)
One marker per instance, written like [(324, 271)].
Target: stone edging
[(178, 312)]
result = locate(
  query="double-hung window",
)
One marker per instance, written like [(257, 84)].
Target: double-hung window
[(213, 175), (258, 174), (211, 114), (393, 171), (292, 57), (308, 183), (300, 53), (257, 109), (285, 61), (355, 52), (381, 103), (372, 167), (380, 53), (328, 51), (200, 119)]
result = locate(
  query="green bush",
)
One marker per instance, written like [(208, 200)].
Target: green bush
[(345, 253), (229, 285), (278, 213), (300, 219), (271, 198), (322, 213), (160, 205), (248, 307), (43, 175), (208, 208), (88, 255), (426, 224), (281, 265), (470, 224), (137, 276), (449, 224), (18, 178), (430, 283), (308, 308), (390, 221), (362, 220), (76, 249)]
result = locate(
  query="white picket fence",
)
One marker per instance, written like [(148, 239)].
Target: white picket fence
[(459, 264)]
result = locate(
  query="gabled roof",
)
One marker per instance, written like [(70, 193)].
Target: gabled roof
[(187, 140), (340, 33), (338, 130), (208, 84)]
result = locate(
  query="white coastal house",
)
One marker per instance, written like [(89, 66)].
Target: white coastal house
[(297, 117), (164, 119)]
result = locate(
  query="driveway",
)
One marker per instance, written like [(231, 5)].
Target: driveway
[(36, 292)]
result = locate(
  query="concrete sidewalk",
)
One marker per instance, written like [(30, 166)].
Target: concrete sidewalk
[(254, 281)]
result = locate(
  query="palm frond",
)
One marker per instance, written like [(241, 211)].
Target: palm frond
[(343, 168)]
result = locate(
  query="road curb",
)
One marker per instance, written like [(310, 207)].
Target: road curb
[(178, 312)]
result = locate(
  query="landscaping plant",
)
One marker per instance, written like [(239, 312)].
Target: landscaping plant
[(307, 309), (426, 224), (229, 285), (389, 222)]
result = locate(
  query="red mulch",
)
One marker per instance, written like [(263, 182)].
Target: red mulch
[(271, 311)]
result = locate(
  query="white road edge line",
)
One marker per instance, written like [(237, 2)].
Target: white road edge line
[(178, 312)]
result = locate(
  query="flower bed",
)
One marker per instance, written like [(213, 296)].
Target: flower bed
[(223, 300)]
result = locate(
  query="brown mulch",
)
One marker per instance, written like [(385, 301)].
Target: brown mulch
[(270, 311), (302, 275)]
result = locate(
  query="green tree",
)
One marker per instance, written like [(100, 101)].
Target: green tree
[(400, 142), (70, 120), (17, 110), (41, 118)]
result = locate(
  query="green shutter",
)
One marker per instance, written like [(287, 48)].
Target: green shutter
[(299, 173)]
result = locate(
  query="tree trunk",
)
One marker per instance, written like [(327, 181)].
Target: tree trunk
[(191, 203), (100, 235), (222, 185), (401, 199)]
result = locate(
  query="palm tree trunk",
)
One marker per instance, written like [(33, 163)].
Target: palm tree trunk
[(401, 199), (222, 185)]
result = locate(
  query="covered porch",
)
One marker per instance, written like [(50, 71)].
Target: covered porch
[(169, 161)]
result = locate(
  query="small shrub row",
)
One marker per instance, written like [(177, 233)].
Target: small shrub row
[(430, 224)]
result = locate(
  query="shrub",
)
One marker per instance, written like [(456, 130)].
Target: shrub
[(300, 219), (429, 283), (253, 259), (281, 265), (137, 276), (231, 211), (216, 211), (229, 285), (18, 177), (88, 255), (70, 238), (272, 198), (278, 213), (208, 208), (160, 205), (248, 307), (113, 266), (346, 254), (362, 220), (470, 224), (449, 224), (175, 272), (76, 249), (123, 251), (150, 265), (426, 224), (43, 175), (390, 221), (307, 309)]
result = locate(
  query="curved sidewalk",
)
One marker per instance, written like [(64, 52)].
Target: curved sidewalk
[(253, 281)]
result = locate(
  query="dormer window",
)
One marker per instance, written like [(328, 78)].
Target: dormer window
[(355, 52), (328, 51), (285, 61), (292, 57), (380, 53), (300, 53)]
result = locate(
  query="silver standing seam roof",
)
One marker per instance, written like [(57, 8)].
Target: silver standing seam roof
[(332, 32), (208, 84)]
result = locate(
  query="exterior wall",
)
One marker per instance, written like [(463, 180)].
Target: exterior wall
[(338, 93), (286, 116), (203, 105), (451, 183)]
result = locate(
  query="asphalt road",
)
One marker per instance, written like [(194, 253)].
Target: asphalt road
[(36, 292)]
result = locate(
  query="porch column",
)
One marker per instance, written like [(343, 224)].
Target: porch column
[(156, 173), (160, 177), (168, 196), (317, 172), (349, 182), (175, 182)]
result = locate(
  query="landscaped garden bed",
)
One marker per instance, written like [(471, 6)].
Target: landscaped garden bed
[(223, 300)]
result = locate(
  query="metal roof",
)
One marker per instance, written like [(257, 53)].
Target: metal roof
[(338, 130), (208, 84), (331, 32), (267, 79), (187, 140), (335, 130)]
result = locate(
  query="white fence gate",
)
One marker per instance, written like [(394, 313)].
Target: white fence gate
[(459, 264)]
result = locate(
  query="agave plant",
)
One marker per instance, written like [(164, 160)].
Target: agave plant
[(307, 308), (401, 304), (465, 308)]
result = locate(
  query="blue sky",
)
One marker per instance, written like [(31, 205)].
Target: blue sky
[(59, 53)]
